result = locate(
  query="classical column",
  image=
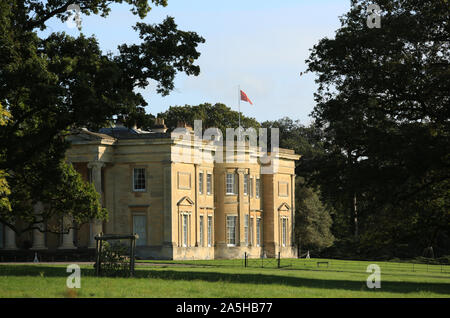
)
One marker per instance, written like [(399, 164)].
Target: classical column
[(10, 239), (96, 178), (219, 220), (67, 242), (196, 204), (292, 210), (38, 236)]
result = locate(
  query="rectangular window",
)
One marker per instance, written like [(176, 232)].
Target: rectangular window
[(208, 183), (251, 230), (230, 183), (246, 229), (284, 231), (251, 187), (139, 179), (201, 230), (185, 230), (200, 183), (210, 225), (258, 187), (231, 230), (140, 228), (258, 232), (245, 184)]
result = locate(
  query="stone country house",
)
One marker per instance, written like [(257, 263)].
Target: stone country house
[(181, 209)]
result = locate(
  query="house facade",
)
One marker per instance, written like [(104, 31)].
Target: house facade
[(181, 201)]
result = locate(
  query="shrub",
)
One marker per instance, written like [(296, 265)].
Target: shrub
[(114, 260)]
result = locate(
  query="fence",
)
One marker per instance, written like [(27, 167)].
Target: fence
[(343, 265), (312, 264), (262, 261)]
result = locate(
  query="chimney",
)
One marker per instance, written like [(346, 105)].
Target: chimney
[(159, 126), (183, 124)]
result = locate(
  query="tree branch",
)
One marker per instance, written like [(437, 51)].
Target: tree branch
[(35, 23)]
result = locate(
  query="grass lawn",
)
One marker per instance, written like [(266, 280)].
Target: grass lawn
[(218, 278)]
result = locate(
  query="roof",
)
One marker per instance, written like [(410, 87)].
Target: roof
[(122, 132)]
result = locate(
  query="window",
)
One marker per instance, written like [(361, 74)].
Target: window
[(284, 231), (258, 232), (208, 183), (258, 187), (200, 183), (246, 229), (251, 230), (230, 183), (185, 230), (245, 184), (251, 187), (231, 230), (201, 230), (139, 179), (140, 228), (209, 230)]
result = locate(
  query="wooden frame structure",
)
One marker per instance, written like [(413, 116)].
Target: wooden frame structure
[(107, 237)]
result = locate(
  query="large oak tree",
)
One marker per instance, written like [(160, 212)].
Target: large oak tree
[(55, 84), (383, 103)]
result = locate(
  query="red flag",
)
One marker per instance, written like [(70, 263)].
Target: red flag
[(245, 98)]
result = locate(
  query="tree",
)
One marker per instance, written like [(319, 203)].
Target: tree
[(54, 85), (383, 104), (304, 140), (213, 116), (312, 219), (5, 191)]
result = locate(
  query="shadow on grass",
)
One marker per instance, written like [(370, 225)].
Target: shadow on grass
[(243, 278), (387, 273)]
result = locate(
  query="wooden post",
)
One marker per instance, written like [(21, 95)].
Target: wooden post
[(279, 259), (132, 246), (96, 257), (134, 253), (99, 258)]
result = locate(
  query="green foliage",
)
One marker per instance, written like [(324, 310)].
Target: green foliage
[(5, 191), (304, 140), (217, 116), (43, 11), (61, 190), (313, 220), (312, 217), (382, 103), (53, 85)]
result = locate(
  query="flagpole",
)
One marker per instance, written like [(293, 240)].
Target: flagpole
[(239, 103)]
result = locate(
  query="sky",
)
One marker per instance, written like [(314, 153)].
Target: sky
[(257, 45)]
